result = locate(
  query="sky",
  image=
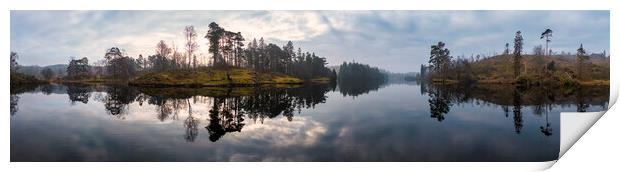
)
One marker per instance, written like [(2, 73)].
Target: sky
[(398, 41)]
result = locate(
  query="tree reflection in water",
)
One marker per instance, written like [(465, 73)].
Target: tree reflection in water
[(439, 103), (516, 110), (230, 107), (228, 112), (541, 99), (164, 109), (582, 105), (546, 130), (224, 118), (506, 110), (355, 85), (191, 125), (47, 89), (117, 98), (78, 93), (15, 91), (14, 102)]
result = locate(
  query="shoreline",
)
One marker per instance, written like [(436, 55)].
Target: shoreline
[(498, 82)]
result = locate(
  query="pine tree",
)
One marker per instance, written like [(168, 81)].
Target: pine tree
[(581, 60), (518, 48)]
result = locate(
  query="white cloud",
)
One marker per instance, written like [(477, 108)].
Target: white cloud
[(281, 25)]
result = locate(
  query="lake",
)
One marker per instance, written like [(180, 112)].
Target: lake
[(313, 122)]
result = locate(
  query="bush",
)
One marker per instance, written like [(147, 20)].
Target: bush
[(77, 77), (523, 80), (568, 81), (18, 79)]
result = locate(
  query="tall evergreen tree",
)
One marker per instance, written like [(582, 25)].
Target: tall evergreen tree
[(440, 59), (518, 48), (214, 35), (581, 60), (78, 69), (238, 48)]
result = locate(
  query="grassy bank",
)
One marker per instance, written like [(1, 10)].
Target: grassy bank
[(321, 80), (514, 82), (535, 70), (93, 80), (210, 77), (445, 81), (18, 79), (594, 83), (183, 92)]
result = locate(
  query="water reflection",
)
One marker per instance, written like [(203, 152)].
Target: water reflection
[(439, 102), (356, 86), (541, 99), (14, 100), (224, 118), (228, 106), (279, 123), (546, 130), (15, 92), (191, 125), (117, 99), (516, 110), (47, 89), (78, 93)]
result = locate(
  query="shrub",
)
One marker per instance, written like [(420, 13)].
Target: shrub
[(523, 80), (568, 81)]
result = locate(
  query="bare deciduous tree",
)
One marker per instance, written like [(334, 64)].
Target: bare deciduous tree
[(190, 45)]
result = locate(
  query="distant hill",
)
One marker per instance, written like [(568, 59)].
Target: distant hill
[(400, 77), (59, 69)]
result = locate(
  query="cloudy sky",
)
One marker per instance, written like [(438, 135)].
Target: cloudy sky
[(398, 41)]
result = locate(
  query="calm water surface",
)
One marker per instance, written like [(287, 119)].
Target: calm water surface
[(398, 122)]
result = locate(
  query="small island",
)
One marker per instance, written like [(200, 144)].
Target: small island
[(230, 64)]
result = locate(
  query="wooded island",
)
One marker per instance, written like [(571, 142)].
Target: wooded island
[(231, 64)]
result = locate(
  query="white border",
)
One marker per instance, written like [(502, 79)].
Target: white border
[(596, 149)]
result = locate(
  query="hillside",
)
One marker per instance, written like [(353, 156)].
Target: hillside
[(499, 69), (58, 69), (205, 77)]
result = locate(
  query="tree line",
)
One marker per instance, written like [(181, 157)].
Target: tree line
[(19, 79), (227, 50), (356, 78), (541, 67)]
